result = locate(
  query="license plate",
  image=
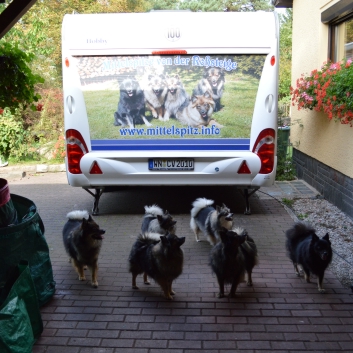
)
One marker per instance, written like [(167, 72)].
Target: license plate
[(171, 164)]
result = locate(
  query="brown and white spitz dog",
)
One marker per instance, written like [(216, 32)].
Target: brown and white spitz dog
[(176, 96), (160, 259), (82, 241), (209, 220), (213, 80), (155, 94), (232, 257), (198, 112)]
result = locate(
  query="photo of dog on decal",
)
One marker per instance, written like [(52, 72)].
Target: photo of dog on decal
[(157, 97)]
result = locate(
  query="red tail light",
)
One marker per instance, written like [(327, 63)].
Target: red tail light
[(265, 148), (76, 148)]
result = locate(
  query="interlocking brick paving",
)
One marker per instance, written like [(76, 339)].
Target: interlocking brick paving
[(280, 313)]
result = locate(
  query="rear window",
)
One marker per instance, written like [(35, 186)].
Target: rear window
[(170, 97)]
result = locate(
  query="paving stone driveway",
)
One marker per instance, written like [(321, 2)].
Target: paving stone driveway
[(280, 313)]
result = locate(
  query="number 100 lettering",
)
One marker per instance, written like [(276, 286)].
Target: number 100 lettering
[(173, 33)]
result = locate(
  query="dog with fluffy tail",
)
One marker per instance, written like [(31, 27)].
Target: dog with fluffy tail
[(82, 239), (158, 221), (306, 249), (160, 259), (232, 257), (209, 220)]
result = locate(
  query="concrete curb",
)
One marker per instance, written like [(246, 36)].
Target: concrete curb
[(20, 171)]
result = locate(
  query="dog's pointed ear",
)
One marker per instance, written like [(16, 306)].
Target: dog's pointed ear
[(218, 209), (223, 234), (243, 238), (327, 237), (181, 241), (314, 238)]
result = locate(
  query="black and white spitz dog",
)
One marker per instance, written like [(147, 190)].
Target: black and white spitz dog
[(82, 239), (232, 257), (209, 220), (131, 106), (306, 249), (158, 221)]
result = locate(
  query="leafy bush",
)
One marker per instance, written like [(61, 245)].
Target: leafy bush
[(17, 82), (48, 124), (13, 137), (59, 149)]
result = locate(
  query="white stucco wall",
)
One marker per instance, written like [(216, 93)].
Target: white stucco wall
[(315, 135)]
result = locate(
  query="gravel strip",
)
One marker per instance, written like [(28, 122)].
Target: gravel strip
[(327, 218)]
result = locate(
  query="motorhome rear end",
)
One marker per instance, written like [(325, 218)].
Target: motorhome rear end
[(172, 98)]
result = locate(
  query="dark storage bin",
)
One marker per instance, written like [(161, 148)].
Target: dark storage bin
[(283, 141)]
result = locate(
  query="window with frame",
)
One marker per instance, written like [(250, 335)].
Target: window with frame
[(339, 17), (342, 40)]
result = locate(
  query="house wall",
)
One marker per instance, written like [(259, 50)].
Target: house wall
[(322, 148), (313, 133)]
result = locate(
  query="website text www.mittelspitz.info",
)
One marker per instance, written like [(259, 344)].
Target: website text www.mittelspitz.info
[(171, 131)]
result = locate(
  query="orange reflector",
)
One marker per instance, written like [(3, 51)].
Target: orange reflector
[(169, 52), (67, 62), (95, 169), (244, 169), (273, 60)]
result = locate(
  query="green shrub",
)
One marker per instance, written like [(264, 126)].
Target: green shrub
[(13, 136), (17, 82)]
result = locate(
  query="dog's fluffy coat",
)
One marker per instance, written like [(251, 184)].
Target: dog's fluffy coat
[(198, 112), (156, 220), (306, 249), (213, 81), (155, 94), (209, 220), (82, 239), (131, 105), (232, 257), (161, 260), (176, 98)]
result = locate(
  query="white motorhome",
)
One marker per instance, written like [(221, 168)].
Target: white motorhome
[(170, 98)]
